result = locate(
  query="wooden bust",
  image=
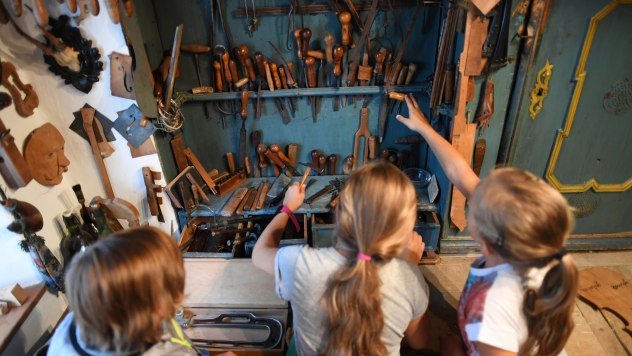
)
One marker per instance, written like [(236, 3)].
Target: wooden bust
[(44, 154)]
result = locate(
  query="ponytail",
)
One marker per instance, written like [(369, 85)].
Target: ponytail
[(354, 310), (373, 228), (549, 309)]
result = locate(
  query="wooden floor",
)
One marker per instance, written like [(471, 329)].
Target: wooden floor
[(596, 332)]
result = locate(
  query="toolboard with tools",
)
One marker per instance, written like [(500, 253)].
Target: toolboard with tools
[(250, 96)]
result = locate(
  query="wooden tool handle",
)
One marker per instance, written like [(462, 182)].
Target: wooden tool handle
[(379, 62), (255, 137), (262, 148), (283, 77), (395, 73), (195, 48), (372, 147), (259, 62), (241, 82), (269, 76), (277, 150), (250, 69), (225, 60), (320, 55), (305, 175), (242, 52), (129, 7), (247, 166), (322, 163), (412, 68), (113, 11), (289, 71), (245, 95), (40, 13), (306, 35), (232, 66), (329, 45), (338, 53), (311, 72), (315, 156), (348, 165), (275, 75), (230, 162), (219, 86), (401, 78), (345, 19), (299, 45), (397, 96), (333, 161), (292, 153)]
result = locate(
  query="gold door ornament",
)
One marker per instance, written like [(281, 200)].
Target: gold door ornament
[(540, 90)]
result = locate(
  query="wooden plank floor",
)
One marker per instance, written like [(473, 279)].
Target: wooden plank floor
[(595, 333)]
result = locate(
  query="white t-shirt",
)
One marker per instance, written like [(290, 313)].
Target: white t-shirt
[(301, 277), (490, 309)]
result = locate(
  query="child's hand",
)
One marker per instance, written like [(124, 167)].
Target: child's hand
[(294, 196), (417, 121), (414, 249)]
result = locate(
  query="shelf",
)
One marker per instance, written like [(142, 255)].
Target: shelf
[(318, 206), (182, 97)]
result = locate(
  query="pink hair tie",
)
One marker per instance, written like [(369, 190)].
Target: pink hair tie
[(364, 257)]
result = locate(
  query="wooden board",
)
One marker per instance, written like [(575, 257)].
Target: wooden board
[(463, 133), (607, 289), (219, 283), (11, 322)]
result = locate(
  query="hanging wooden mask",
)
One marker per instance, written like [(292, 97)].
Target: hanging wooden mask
[(44, 154)]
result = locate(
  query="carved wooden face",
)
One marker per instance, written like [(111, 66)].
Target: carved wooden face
[(44, 154)]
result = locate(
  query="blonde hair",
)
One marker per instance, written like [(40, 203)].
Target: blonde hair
[(376, 209), (123, 287), (526, 221)]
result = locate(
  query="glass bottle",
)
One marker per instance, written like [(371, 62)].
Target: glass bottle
[(88, 221), (77, 239), (101, 221)]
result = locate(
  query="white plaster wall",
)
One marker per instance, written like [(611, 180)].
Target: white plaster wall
[(57, 103)]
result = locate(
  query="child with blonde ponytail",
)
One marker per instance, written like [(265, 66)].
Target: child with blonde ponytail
[(519, 296), (365, 294)]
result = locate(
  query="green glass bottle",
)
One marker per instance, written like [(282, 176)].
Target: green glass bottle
[(77, 239), (88, 221), (101, 221)]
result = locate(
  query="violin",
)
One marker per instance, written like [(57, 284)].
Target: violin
[(11, 81)]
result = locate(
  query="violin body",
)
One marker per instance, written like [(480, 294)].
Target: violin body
[(10, 80)]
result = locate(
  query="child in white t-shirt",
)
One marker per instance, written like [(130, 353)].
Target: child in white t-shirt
[(519, 295)]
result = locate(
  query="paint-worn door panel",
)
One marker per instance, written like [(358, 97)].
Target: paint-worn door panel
[(580, 140)]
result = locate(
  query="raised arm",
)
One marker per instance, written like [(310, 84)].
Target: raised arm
[(268, 243), (454, 165)]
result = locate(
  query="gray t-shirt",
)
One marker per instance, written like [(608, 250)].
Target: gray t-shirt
[(301, 277)]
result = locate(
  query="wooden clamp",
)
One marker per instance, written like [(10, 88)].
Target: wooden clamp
[(153, 189), (87, 115), (13, 168)]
